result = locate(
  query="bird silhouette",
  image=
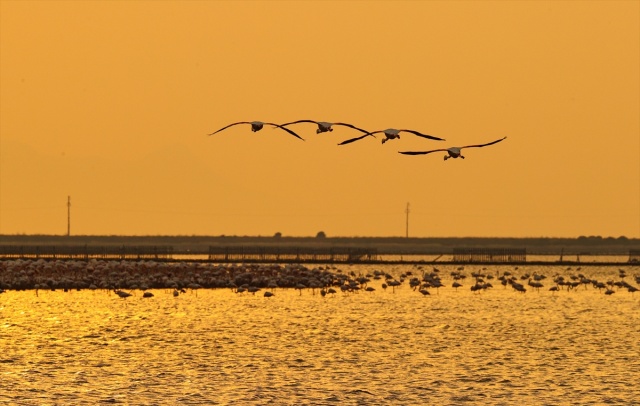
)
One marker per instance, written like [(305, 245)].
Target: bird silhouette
[(324, 126), (390, 134), (257, 126), (453, 152)]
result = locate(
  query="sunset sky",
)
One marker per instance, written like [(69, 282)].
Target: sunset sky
[(111, 103)]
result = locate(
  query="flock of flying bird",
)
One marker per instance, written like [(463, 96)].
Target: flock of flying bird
[(389, 134)]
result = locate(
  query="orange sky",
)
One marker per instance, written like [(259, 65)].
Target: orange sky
[(111, 103)]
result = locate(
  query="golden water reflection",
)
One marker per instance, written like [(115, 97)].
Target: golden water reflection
[(392, 346)]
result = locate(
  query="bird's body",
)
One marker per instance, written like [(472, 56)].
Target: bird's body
[(257, 126), (453, 152), (391, 134), (122, 294), (324, 126)]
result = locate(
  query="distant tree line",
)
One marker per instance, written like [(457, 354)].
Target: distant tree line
[(321, 234), (599, 238)]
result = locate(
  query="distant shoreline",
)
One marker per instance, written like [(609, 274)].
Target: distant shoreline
[(395, 245)]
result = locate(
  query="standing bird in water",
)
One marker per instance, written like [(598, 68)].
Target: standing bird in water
[(122, 294), (453, 152), (390, 134), (324, 126), (257, 126)]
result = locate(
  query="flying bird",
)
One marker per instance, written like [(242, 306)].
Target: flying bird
[(257, 126), (324, 126), (453, 152), (390, 134)]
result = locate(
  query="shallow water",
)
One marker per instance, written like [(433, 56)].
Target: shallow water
[(393, 346)]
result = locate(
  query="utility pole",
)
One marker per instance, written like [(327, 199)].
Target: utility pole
[(68, 216), (407, 212)]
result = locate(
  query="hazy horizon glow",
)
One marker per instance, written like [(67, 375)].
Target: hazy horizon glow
[(111, 103)]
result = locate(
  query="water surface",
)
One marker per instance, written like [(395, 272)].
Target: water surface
[(393, 346)]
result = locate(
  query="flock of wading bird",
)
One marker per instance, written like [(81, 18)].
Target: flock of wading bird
[(124, 278), (389, 134)]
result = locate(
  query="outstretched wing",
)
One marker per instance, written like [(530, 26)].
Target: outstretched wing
[(299, 121), (230, 125), (421, 152), (349, 141), (419, 134), (286, 129), (352, 126), (483, 145)]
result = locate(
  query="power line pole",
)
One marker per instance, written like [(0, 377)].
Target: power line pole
[(68, 216), (407, 212)]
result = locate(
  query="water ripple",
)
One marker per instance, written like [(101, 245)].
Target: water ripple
[(215, 346)]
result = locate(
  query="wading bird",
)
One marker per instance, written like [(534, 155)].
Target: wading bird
[(122, 294), (390, 134), (257, 126), (324, 126), (453, 152)]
